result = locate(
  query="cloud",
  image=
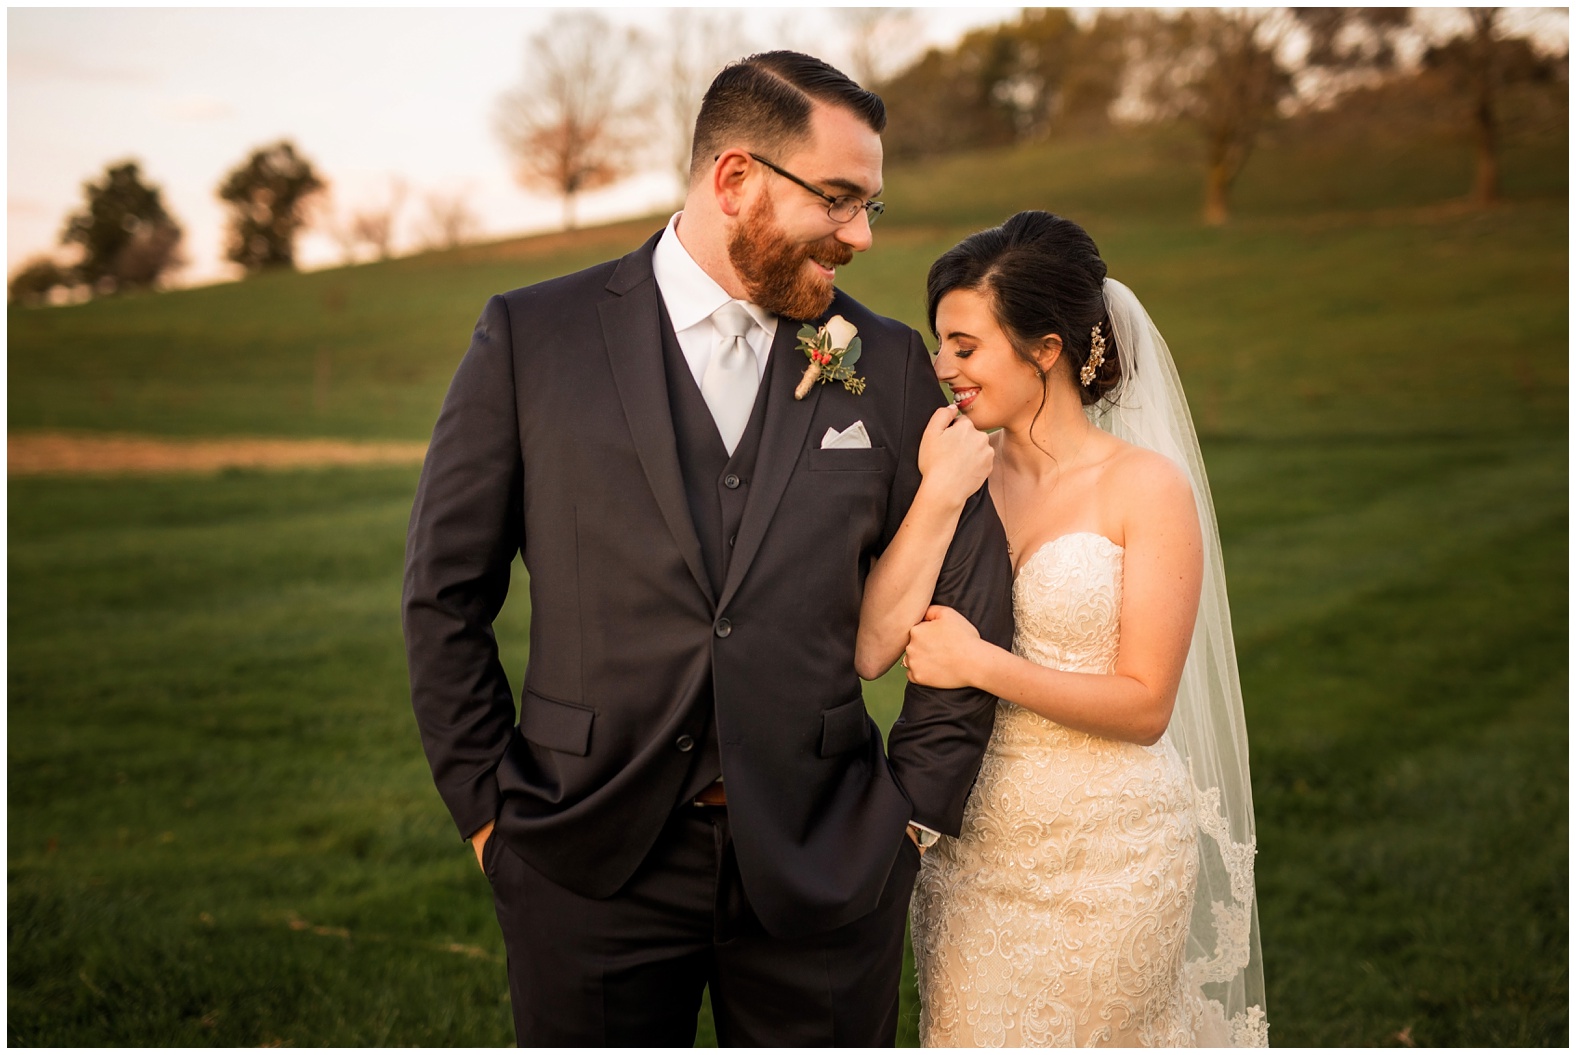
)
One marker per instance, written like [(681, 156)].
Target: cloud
[(197, 108), (45, 65), (25, 207)]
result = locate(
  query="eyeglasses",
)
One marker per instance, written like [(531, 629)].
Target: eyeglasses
[(840, 208)]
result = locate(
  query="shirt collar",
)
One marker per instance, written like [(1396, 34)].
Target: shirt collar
[(690, 294)]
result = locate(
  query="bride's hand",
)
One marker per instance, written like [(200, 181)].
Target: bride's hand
[(955, 458), (942, 650)]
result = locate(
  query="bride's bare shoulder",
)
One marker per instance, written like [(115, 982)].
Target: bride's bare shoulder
[(1146, 484)]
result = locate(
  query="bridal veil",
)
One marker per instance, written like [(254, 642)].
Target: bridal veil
[(1224, 964)]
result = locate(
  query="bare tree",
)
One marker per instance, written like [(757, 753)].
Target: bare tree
[(697, 45), (1220, 71), (373, 225), (368, 227), (1483, 77), (337, 222), (570, 124), (881, 41), (1472, 71), (449, 221)]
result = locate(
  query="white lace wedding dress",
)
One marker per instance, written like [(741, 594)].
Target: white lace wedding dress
[(1060, 915)]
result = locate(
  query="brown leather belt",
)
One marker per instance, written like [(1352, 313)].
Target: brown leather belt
[(712, 795)]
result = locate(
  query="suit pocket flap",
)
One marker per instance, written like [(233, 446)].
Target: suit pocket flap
[(844, 728), (847, 459), (551, 723)]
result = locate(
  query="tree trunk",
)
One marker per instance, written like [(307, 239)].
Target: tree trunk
[(1485, 184), (569, 211)]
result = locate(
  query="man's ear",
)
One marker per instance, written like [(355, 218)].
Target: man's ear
[(728, 181), (1049, 352)]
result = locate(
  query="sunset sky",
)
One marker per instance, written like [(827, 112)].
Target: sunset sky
[(366, 94)]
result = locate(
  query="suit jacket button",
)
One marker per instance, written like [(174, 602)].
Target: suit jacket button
[(685, 742), (723, 628), (731, 481), (732, 539)]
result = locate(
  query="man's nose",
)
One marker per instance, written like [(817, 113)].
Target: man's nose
[(856, 232)]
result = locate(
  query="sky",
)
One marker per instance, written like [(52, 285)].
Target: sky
[(366, 94)]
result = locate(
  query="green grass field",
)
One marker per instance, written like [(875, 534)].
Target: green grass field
[(222, 830)]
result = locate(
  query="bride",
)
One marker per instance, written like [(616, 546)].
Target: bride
[(1101, 889)]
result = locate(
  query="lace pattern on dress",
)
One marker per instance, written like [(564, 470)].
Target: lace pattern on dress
[(1062, 913)]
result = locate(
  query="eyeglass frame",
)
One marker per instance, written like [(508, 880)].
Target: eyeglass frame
[(872, 208)]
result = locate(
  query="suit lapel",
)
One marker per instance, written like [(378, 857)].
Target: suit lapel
[(630, 326), (782, 438)]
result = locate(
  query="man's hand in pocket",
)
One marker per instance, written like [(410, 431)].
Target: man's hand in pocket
[(479, 840)]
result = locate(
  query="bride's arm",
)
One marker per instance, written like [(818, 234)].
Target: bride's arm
[(1162, 574), (954, 461)]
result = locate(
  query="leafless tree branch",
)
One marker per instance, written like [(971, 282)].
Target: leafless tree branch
[(570, 125)]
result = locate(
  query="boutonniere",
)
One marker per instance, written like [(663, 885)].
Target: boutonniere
[(832, 350)]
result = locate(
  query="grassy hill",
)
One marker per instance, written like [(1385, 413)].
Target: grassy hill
[(221, 829), (1351, 259)]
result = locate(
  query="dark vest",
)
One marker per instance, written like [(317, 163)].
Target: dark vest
[(716, 487)]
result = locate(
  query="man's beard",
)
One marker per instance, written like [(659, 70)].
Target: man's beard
[(772, 268)]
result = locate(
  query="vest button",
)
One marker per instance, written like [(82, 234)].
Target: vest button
[(723, 628), (685, 742), (731, 481)]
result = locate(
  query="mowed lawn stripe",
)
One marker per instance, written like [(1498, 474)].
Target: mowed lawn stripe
[(1302, 569), (223, 830), (1410, 783)]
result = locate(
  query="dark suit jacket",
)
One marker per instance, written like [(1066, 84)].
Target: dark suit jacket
[(556, 439)]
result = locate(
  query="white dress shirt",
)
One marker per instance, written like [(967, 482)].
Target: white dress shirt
[(691, 296)]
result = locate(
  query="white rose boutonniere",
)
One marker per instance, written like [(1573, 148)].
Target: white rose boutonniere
[(832, 350)]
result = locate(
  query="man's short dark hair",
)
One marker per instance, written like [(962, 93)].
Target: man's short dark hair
[(764, 102)]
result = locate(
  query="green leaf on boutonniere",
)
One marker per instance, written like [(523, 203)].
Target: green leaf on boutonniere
[(851, 356)]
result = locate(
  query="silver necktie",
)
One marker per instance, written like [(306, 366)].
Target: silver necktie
[(730, 380)]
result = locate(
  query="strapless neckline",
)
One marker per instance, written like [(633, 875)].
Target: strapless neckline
[(1048, 543)]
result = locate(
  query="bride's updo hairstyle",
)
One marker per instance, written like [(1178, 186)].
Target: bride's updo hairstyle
[(1041, 274)]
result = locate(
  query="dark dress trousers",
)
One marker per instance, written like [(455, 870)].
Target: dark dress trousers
[(693, 616)]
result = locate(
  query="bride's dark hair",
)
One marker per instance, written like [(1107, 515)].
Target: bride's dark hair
[(1041, 274)]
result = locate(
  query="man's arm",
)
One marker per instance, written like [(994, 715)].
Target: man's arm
[(937, 742), (465, 529)]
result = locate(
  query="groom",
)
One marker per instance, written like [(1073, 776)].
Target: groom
[(694, 794)]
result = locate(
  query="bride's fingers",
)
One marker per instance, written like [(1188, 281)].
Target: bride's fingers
[(940, 420)]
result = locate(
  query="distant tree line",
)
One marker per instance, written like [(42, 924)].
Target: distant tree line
[(1226, 74), (125, 239), (578, 117), (1043, 75), (595, 104)]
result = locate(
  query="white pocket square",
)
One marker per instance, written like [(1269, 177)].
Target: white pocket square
[(852, 437)]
